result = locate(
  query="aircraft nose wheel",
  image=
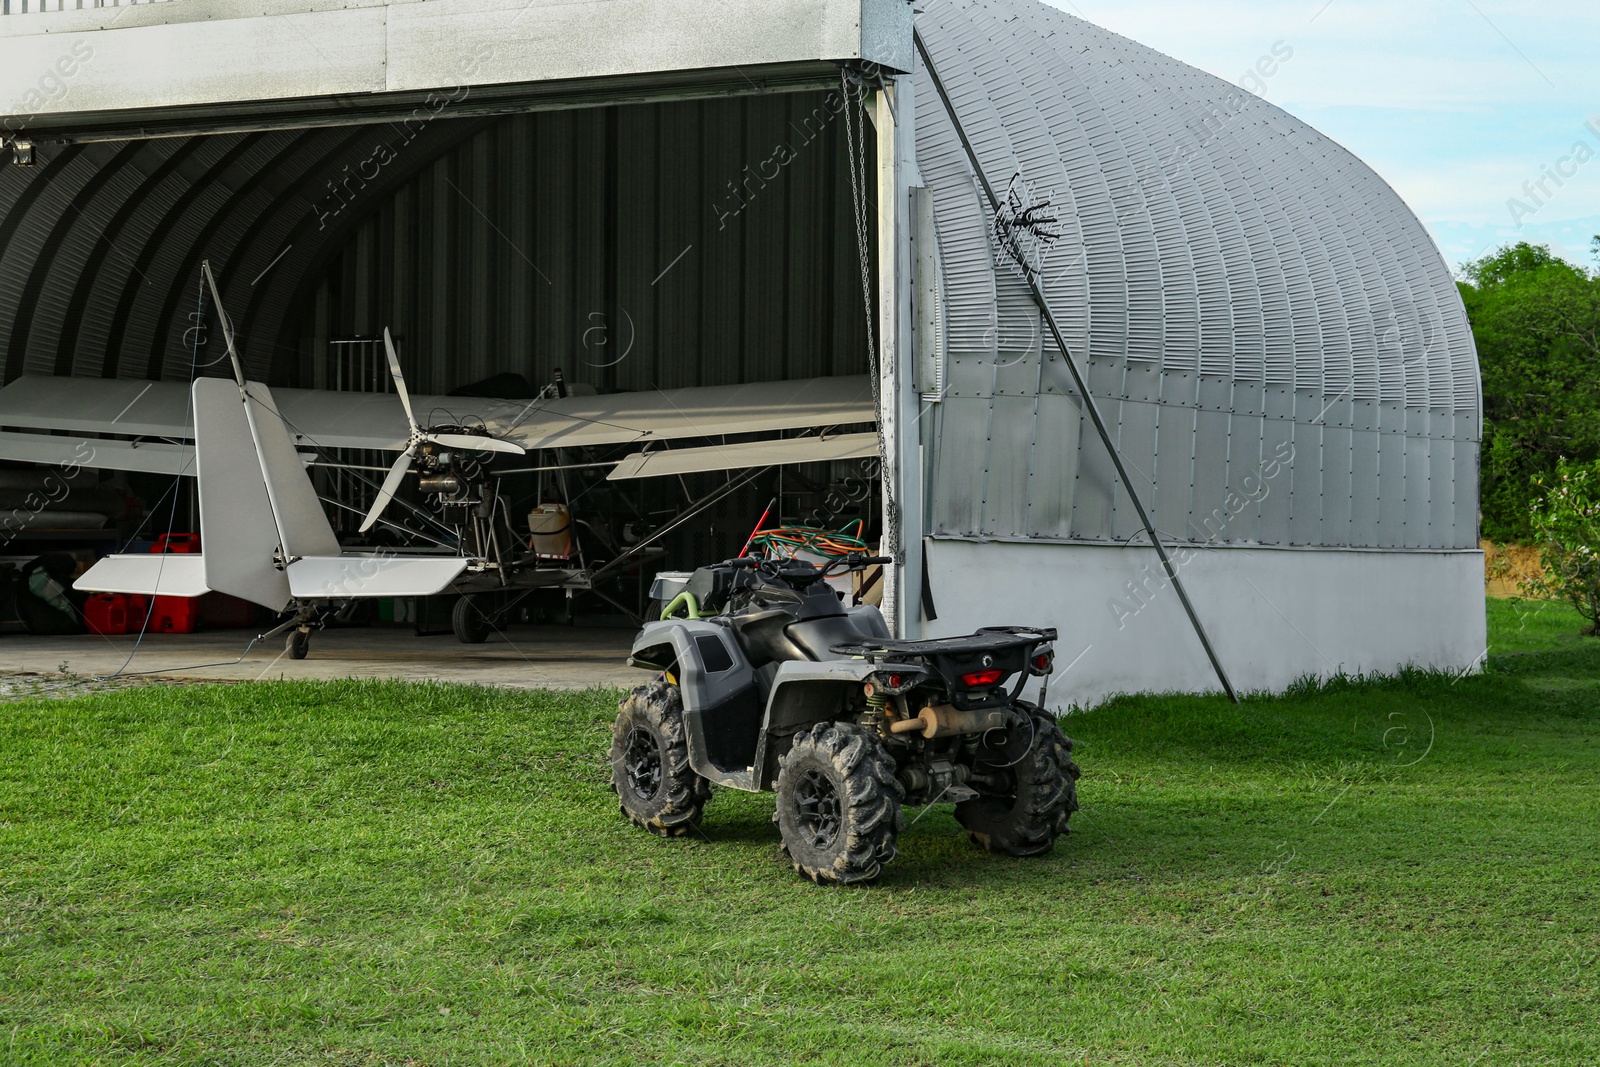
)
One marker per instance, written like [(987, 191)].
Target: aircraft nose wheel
[(299, 644), (469, 622)]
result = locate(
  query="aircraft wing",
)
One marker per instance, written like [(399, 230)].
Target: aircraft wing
[(98, 405), (332, 419), (707, 411), (746, 454), (374, 420)]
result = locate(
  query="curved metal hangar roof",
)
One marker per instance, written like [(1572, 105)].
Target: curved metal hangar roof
[(1240, 288)]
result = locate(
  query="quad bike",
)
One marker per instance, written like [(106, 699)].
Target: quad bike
[(767, 681)]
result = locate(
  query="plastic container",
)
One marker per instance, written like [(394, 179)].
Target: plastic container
[(182, 543), (176, 615), (551, 527), (115, 614)]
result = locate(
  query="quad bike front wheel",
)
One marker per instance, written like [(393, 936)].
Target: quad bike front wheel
[(838, 808), (1037, 792), (650, 773)]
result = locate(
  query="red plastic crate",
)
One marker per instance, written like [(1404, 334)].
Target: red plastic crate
[(175, 615), (114, 614)]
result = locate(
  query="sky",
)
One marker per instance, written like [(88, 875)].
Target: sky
[(1463, 106)]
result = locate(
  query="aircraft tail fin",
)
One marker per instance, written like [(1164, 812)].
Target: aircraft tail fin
[(238, 528), (302, 524)]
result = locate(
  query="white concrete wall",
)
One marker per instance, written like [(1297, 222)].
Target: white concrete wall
[(234, 51), (1273, 615)]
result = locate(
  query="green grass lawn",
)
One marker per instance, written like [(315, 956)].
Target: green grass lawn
[(356, 873)]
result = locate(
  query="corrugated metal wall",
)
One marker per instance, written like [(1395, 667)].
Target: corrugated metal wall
[(101, 244), (658, 245), (1279, 350)]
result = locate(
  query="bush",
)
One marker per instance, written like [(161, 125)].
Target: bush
[(1536, 321), (1566, 524)]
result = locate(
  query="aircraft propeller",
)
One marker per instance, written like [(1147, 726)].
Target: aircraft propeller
[(418, 437)]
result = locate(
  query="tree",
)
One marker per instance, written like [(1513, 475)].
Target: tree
[(1536, 320), (1566, 523)]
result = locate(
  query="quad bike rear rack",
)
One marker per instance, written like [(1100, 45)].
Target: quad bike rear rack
[(1010, 648), (986, 639)]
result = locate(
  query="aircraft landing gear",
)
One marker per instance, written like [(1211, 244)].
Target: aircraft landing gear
[(477, 615), (297, 643), (469, 622)]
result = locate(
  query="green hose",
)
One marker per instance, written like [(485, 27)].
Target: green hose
[(685, 598)]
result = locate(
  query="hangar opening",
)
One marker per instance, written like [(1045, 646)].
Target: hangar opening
[(555, 260), (641, 249)]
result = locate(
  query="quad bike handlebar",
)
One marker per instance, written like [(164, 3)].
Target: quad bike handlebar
[(775, 567), (855, 562), (783, 580), (852, 561)]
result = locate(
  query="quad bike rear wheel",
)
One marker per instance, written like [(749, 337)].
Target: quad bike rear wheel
[(838, 808), (1033, 758), (650, 773)]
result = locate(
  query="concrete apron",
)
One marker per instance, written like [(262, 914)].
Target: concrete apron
[(525, 658)]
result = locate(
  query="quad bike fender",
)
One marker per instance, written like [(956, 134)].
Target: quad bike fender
[(721, 697), (803, 694), (653, 648)]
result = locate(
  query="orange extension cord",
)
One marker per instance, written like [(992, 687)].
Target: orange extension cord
[(785, 541)]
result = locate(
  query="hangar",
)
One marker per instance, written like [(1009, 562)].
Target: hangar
[(1150, 360)]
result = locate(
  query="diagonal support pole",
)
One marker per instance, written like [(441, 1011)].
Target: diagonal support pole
[(1078, 380)]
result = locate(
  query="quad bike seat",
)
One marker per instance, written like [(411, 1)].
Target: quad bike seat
[(775, 636), (816, 637), (988, 639)]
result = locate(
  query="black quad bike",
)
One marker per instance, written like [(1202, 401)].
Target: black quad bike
[(767, 681)]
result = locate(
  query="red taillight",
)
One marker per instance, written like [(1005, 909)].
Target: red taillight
[(1041, 662), (981, 679), (894, 681)]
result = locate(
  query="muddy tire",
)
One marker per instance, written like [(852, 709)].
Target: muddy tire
[(838, 808), (650, 771), (1034, 760)]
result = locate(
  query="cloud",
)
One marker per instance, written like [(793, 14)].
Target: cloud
[(1455, 103)]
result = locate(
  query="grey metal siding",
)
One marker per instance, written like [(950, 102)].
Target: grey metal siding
[(1234, 284)]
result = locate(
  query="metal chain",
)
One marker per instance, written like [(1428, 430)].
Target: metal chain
[(858, 193)]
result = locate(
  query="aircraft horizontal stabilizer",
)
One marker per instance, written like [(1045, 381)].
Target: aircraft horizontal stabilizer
[(148, 574), (339, 577)]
